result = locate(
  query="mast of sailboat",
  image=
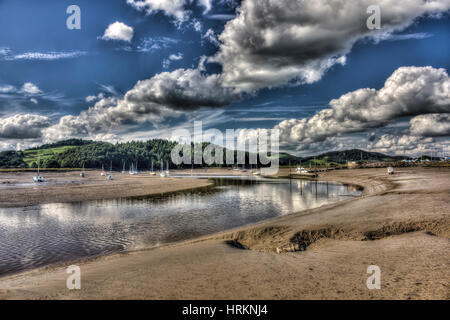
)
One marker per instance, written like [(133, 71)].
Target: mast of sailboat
[(38, 178), (82, 172), (290, 174)]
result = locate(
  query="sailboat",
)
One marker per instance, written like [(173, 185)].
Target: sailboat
[(38, 177), (110, 177), (133, 171), (167, 171), (301, 170), (103, 171), (123, 170), (82, 174), (162, 174), (152, 173)]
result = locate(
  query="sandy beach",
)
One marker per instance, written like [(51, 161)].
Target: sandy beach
[(401, 224), (18, 190)]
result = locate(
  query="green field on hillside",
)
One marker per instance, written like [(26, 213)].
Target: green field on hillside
[(33, 155)]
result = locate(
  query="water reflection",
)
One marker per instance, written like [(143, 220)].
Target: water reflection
[(36, 236)]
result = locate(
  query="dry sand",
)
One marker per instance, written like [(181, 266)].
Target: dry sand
[(401, 224)]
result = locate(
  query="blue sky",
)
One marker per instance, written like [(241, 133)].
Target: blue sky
[(69, 71)]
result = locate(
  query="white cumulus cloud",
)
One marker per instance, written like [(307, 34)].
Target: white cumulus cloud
[(173, 8), (118, 31), (30, 88), (7, 89), (172, 57), (402, 144), (431, 125), (409, 91)]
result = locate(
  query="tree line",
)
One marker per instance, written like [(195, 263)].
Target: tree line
[(142, 154)]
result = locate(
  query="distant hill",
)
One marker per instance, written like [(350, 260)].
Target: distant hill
[(353, 155), (336, 157), (285, 159)]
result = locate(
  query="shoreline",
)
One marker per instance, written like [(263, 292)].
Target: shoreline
[(277, 243)]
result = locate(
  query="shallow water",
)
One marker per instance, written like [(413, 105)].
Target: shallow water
[(36, 236)]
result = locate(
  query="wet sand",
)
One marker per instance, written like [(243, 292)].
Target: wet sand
[(401, 224)]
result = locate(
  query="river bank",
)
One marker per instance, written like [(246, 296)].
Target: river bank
[(401, 224)]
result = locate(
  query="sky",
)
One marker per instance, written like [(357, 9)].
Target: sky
[(140, 69)]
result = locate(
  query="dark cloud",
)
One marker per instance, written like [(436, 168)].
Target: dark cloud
[(26, 126), (182, 89), (270, 43)]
